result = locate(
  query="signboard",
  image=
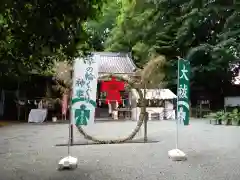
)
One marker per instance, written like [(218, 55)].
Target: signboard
[(183, 91), (84, 91), (232, 101)]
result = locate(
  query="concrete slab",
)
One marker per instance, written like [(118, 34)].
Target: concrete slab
[(28, 152)]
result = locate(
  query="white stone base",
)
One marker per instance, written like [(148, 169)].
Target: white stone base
[(177, 155), (68, 162)]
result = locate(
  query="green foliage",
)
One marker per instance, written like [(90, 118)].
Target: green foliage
[(227, 118), (234, 116), (205, 32), (220, 115), (98, 29), (132, 25), (35, 33)]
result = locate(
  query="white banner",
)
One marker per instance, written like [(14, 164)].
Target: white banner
[(84, 91)]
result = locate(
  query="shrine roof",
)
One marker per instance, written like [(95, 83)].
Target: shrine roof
[(115, 63), (109, 63)]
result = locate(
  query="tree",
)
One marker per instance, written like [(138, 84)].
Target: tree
[(131, 29), (35, 33), (204, 32), (99, 28)]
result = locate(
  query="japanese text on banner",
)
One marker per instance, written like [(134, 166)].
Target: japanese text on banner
[(84, 91), (183, 91)]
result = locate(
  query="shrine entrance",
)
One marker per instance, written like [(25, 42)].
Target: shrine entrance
[(113, 100)]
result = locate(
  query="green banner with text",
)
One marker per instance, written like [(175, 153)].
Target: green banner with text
[(183, 91)]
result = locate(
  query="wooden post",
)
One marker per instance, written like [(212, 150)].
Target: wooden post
[(146, 114), (201, 109), (71, 134), (18, 105), (145, 127), (70, 122)]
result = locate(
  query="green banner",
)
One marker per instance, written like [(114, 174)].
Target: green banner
[(183, 91)]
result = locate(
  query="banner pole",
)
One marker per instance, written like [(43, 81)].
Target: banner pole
[(71, 94), (69, 162), (176, 154), (177, 120), (71, 121), (70, 137)]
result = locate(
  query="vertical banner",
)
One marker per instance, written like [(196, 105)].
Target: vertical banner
[(84, 91), (183, 91)]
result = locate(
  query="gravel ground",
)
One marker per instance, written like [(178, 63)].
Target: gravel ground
[(28, 152)]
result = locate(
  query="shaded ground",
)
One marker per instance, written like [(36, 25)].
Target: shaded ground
[(28, 152)]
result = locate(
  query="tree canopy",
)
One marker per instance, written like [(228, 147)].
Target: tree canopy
[(99, 28), (204, 32), (35, 33)]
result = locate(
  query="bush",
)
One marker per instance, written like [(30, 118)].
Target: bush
[(235, 116), (226, 118)]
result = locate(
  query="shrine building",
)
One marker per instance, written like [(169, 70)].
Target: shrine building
[(121, 64), (110, 63)]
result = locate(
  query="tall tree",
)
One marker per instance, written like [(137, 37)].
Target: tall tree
[(99, 28), (35, 32), (205, 32)]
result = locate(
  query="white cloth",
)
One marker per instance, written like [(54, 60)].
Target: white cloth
[(37, 115), (150, 110), (158, 111), (40, 105), (170, 114)]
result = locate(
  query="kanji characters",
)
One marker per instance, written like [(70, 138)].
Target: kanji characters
[(89, 74), (182, 91), (184, 73), (80, 82), (84, 90), (80, 93), (90, 61)]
